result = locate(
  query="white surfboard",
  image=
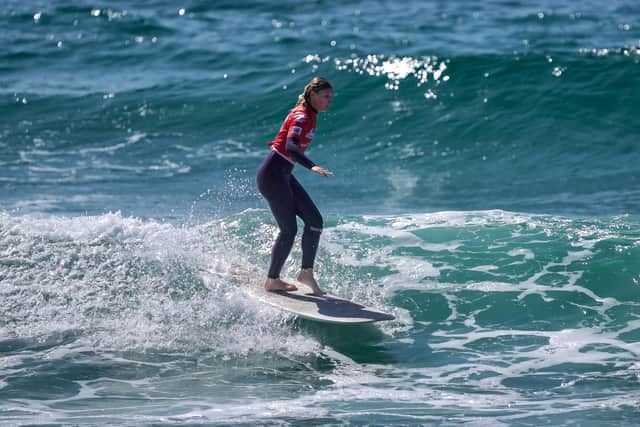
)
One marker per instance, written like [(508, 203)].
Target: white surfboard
[(326, 308)]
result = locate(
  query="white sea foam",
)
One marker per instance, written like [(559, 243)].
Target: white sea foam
[(146, 286), (128, 283), (527, 254)]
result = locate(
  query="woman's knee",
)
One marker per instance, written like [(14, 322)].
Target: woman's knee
[(288, 230), (315, 223)]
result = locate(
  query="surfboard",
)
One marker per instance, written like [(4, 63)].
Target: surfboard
[(326, 308)]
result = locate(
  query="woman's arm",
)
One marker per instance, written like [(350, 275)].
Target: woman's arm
[(294, 151)]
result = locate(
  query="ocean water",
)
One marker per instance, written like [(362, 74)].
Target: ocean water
[(486, 191)]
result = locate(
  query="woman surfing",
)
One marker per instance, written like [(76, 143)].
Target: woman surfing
[(286, 197)]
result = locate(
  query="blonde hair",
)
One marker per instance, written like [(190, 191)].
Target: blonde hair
[(315, 85)]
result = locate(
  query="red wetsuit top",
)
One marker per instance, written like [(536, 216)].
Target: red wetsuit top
[(296, 134)]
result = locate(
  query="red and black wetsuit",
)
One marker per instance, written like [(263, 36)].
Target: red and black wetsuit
[(286, 197), (296, 134)]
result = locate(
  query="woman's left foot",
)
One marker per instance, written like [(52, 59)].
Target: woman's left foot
[(306, 277), (274, 285)]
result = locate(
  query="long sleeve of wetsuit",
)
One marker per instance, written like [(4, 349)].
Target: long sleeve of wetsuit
[(294, 151)]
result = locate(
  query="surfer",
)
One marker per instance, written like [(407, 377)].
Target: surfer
[(286, 197)]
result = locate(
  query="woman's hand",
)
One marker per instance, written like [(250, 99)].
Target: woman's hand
[(321, 171)]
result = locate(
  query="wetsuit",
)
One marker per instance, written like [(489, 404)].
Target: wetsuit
[(286, 197)]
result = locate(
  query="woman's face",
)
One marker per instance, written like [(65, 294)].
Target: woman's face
[(320, 101)]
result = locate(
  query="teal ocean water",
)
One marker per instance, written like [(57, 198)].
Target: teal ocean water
[(486, 191)]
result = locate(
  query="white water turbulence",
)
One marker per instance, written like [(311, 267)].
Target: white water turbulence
[(499, 316), (123, 283)]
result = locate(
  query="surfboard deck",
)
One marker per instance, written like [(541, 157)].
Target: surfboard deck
[(326, 308)]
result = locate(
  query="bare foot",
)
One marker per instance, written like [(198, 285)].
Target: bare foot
[(306, 277), (272, 285)]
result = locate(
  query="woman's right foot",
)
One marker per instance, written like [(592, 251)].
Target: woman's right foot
[(273, 285), (306, 277)]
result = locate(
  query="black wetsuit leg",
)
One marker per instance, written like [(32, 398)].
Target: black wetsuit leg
[(307, 210), (288, 199)]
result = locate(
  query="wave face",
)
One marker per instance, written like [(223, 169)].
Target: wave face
[(437, 107), (485, 191)]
